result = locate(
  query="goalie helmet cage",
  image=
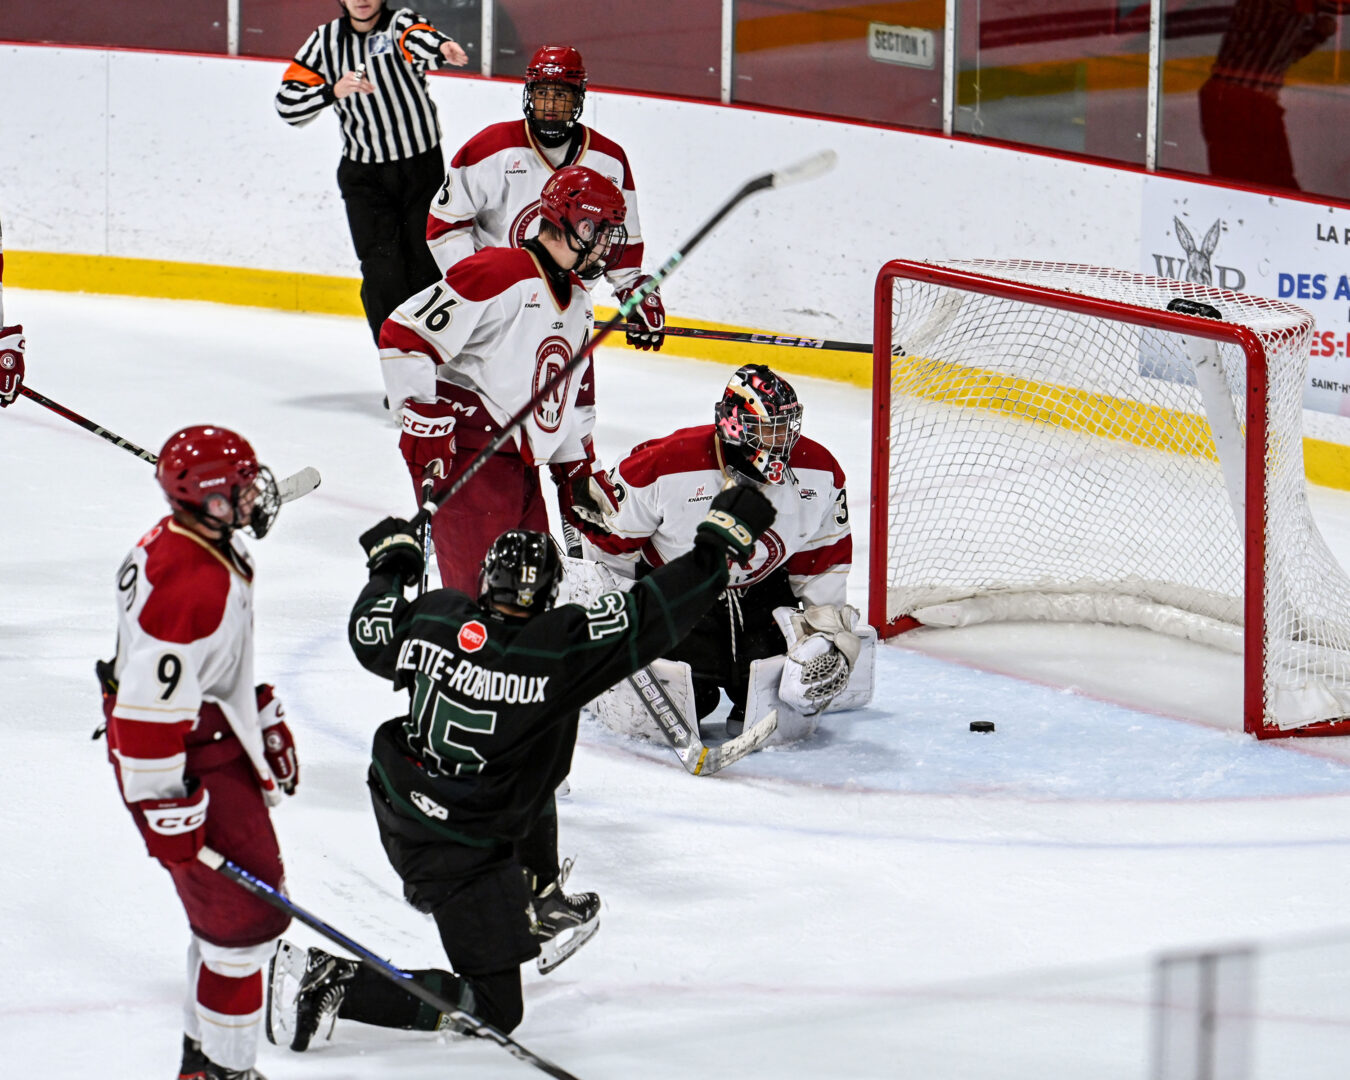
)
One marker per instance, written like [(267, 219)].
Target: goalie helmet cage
[(1052, 441)]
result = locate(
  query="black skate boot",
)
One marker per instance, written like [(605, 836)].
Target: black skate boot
[(304, 990), (197, 1066), (562, 923), (194, 1061)]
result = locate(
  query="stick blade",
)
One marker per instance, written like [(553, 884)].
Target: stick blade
[(752, 738), (298, 484), (809, 168)]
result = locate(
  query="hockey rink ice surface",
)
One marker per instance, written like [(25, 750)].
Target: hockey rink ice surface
[(896, 897)]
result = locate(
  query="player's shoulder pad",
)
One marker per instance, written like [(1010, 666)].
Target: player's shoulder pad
[(190, 585), (809, 454), (493, 139), (687, 450), (603, 144), (489, 273)]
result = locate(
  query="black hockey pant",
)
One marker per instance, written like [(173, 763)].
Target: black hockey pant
[(387, 207)]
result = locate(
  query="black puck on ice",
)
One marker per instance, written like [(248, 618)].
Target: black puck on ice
[(981, 725)]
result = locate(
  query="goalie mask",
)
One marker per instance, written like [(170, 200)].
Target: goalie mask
[(213, 474), (589, 211), (555, 86), (759, 421), (521, 570)]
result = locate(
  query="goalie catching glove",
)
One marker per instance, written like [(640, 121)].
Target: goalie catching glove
[(822, 649)]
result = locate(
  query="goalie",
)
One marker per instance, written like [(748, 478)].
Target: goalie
[(781, 633)]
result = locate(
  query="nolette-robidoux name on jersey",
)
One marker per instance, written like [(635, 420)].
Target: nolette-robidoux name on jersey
[(467, 678)]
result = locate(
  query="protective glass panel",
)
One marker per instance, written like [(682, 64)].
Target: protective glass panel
[(1252, 89), (880, 62), (1055, 74), (661, 48), (139, 24)]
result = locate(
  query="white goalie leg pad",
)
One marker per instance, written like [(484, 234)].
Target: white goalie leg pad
[(621, 709), (584, 581), (762, 695), (862, 678)]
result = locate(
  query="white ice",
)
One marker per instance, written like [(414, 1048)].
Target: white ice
[(896, 897)]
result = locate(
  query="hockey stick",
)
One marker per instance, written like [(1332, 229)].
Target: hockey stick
[(788, 340), (698, 758), (289, 488), (807, 169), (398, 976), (434, 471)]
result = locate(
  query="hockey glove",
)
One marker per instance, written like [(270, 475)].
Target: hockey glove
[(174, 829), (738, 516), (650, 316), (428, 436), (591, 497), (822, 649), (12, 344), (392, 547), (278, 742)]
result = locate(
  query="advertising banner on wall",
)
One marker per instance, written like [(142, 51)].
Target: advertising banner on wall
[(1284, 249)]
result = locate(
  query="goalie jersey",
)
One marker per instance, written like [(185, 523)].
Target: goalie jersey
[(663, 489), (184, 639), (491, 193)]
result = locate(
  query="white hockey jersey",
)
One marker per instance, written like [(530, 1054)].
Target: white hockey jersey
[(490, 197), (184, 638), (664, 487), (487, 337)]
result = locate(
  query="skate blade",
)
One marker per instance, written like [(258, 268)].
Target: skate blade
[(554, 952), (284, 972)]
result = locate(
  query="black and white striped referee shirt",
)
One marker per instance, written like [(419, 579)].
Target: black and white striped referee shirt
[(398, 120)]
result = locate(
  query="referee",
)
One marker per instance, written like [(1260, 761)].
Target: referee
[(371, 66)]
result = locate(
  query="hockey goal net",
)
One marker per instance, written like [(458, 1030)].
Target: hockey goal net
[(1065, 442)]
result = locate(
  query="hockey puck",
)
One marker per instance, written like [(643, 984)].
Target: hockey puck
[(981, 725)]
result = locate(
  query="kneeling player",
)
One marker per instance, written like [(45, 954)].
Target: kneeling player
[(802, 562), (463, 785)]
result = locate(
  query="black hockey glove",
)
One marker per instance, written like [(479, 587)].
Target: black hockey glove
[(392, 547), (739, 514)]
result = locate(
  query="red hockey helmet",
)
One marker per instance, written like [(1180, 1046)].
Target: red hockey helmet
[(759, 421), (559, 67), (589, 211), (213, 474)]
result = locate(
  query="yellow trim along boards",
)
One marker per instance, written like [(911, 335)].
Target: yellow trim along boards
[(1326, 463)]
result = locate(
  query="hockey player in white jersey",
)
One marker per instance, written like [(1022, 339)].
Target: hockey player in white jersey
[(463, 356), (491, 193), (790, 597), (11, 346), (199, 751)]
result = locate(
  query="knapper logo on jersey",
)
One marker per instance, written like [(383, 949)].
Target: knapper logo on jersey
[(516, 169), (701, 495), (553, 356), (533, 301), (472, 636), (525, 224)]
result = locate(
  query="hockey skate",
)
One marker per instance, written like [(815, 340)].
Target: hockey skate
[(197, 1066), (562, 923), (304, 990)]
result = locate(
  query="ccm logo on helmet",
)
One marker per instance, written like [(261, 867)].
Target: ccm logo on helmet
[(472, 636)]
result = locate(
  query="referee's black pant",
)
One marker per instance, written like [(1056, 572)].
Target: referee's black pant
[(387, 207)]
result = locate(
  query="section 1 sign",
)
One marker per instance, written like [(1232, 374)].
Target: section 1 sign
[(908, 45)]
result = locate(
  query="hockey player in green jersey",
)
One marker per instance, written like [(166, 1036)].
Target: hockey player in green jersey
[(462, 786)]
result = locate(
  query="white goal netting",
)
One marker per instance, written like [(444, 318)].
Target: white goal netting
[(1061, 446)]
